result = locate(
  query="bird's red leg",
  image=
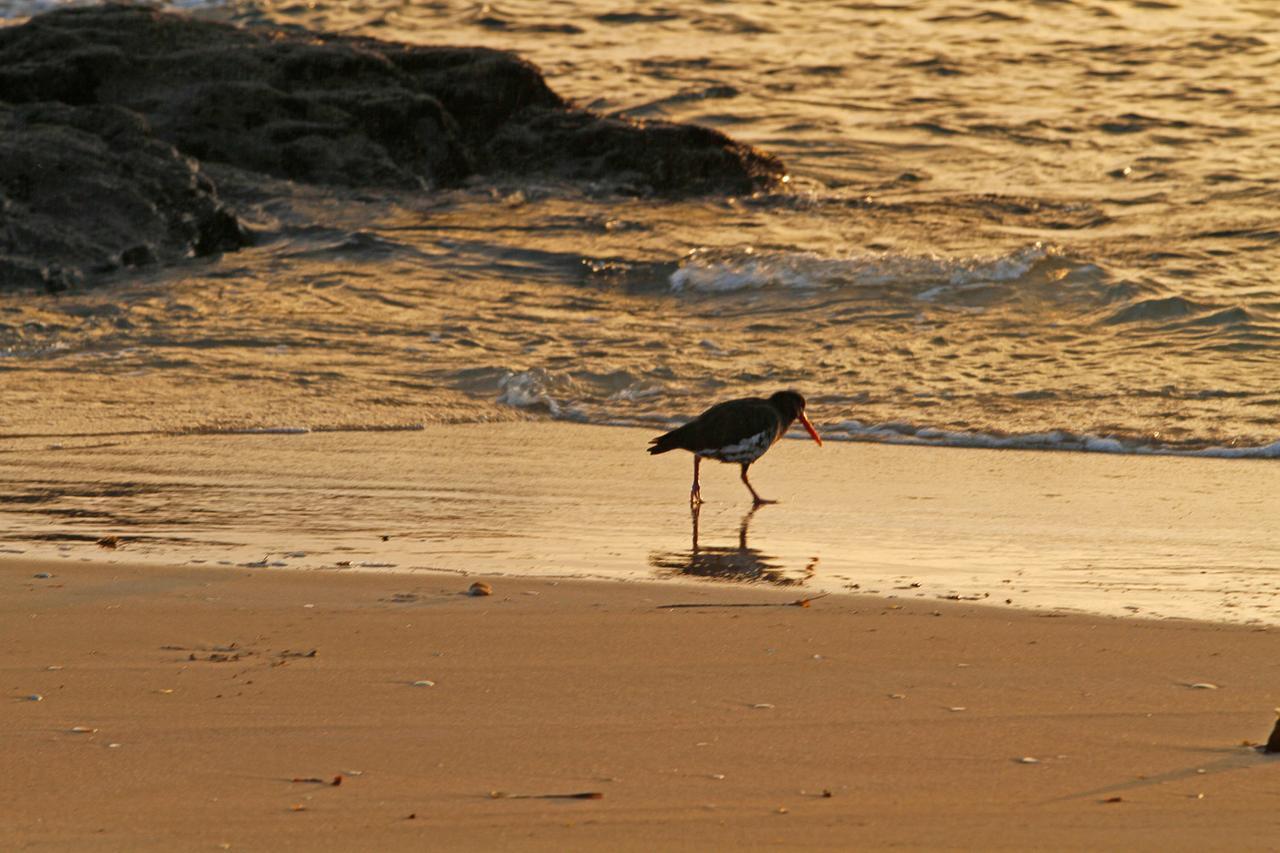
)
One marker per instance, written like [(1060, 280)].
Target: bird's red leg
[(694, 510), (758, 500), (695, 494)]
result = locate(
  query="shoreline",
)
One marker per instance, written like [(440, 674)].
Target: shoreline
[(726, 730), (1160, 537), (849, 431)]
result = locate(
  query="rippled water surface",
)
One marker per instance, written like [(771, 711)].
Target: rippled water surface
[(1029, 223)]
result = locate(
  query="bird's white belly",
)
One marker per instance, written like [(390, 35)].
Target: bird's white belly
[(747, 450)]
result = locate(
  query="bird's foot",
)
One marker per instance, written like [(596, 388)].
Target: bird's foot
[(759, 502)]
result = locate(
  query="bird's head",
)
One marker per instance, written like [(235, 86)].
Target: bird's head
[(791, 405)]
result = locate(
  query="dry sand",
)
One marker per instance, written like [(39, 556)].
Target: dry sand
[(703, 728)]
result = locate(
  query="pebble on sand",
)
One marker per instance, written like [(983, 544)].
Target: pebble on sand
[(480, 588)]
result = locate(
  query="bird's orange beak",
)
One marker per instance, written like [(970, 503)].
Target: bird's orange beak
[(808, 426)]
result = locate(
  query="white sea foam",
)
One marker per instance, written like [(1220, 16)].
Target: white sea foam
[(726, 272), (898, 432), (534, 389)]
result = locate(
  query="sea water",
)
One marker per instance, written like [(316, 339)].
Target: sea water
[(1015, 224)]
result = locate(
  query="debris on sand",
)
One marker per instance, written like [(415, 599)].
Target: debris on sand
[(585, 795), (316, 780), (480, 588)]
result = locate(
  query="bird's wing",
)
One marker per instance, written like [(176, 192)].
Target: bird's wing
[(730, 423)]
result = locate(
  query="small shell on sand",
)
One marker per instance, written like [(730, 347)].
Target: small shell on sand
[(480, 588), (424, 683)]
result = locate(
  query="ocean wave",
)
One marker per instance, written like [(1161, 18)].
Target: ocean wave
[(533, 390), (620, 400), (1148, 310), (1178, 312), (897, 432), (538, 390), (728, 271), (568, 395)]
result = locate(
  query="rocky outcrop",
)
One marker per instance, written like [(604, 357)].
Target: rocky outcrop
[(354, 111), (94, 102), (87, 189)]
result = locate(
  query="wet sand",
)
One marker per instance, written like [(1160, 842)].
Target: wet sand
[(701, 727), (1119, 535)]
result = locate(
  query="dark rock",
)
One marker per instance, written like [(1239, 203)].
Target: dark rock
[(87, 189), (94, 101), (354, 111), (661, 156), (1272, 745)]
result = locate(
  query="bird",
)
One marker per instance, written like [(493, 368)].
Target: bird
[(736, 431)]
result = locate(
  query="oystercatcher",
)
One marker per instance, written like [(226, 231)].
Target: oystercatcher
[(736, 431)]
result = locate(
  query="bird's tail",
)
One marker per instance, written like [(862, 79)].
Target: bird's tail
[(663, 443)]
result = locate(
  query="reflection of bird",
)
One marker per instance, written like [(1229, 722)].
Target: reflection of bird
[(737, 431), (741, 563)]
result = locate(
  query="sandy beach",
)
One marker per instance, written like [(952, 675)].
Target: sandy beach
[(179, 705), (287, 607), (312, 315)]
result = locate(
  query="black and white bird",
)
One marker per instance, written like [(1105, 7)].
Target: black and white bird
[(736, 431)]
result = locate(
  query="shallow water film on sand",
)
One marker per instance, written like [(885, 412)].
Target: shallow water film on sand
[(1006, 224), (1055, 532)]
